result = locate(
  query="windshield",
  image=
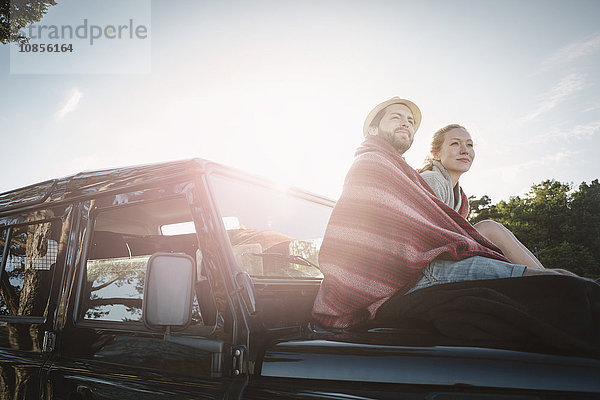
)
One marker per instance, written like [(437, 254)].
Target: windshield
[(274, 233)]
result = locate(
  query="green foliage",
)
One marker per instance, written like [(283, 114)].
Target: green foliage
[(558, 224), (480, 209), (17, 14), (570, 256)]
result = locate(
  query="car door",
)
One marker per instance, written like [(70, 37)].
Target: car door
[(33, 249), (104, 349)]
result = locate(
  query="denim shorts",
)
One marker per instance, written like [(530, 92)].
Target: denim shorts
[(469, 269)]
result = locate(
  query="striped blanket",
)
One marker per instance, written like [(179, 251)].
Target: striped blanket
[(385, 228)]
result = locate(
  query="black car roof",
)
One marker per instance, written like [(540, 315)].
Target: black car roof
[(98, 181), (91, 183)]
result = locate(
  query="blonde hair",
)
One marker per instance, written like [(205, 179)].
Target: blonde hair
[(436, 145)]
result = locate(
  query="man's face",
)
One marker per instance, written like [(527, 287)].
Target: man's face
[(397, 127)]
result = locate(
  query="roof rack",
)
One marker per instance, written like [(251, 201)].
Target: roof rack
[(28, 195)]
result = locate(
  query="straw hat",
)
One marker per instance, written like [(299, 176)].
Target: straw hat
[(394, 100)]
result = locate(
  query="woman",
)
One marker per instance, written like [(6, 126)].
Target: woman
[(451, 155)]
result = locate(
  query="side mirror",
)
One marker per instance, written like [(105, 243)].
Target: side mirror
[(168, 291)]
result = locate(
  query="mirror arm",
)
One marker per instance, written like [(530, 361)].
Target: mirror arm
[(244, 280)]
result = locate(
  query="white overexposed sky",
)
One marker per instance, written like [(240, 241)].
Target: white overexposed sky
[(281, 88)]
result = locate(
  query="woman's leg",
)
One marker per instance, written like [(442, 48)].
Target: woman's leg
[(512, 248), (534, 271)]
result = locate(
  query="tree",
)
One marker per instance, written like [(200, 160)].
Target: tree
[(542, 217), (17, 14), (480, 209), (559, 225), (585, 209), (570, 256)]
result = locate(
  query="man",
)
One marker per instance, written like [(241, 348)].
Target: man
[(389, 233)]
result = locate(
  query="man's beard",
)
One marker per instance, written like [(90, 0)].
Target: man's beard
[(400, 143)]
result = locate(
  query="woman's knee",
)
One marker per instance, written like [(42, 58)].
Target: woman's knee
[(489, 228)]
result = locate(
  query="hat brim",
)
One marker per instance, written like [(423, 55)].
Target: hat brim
[(394, 100)]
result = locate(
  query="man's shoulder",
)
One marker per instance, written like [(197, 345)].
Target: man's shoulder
[(382, 157)]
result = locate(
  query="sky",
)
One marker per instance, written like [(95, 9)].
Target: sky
[(281, 88)]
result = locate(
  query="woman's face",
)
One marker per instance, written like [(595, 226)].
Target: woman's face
[(457, 153)]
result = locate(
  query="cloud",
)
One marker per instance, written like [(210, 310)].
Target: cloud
[(567, 86), (576, 132), (70, 105), (572, 52), (592, 108), (511, 173), (584, 131), (548, 159)]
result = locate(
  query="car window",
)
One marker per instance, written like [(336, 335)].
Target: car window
[(123, 240), (28, 267)]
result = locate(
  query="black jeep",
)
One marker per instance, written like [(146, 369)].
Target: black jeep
[(191, 280)]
